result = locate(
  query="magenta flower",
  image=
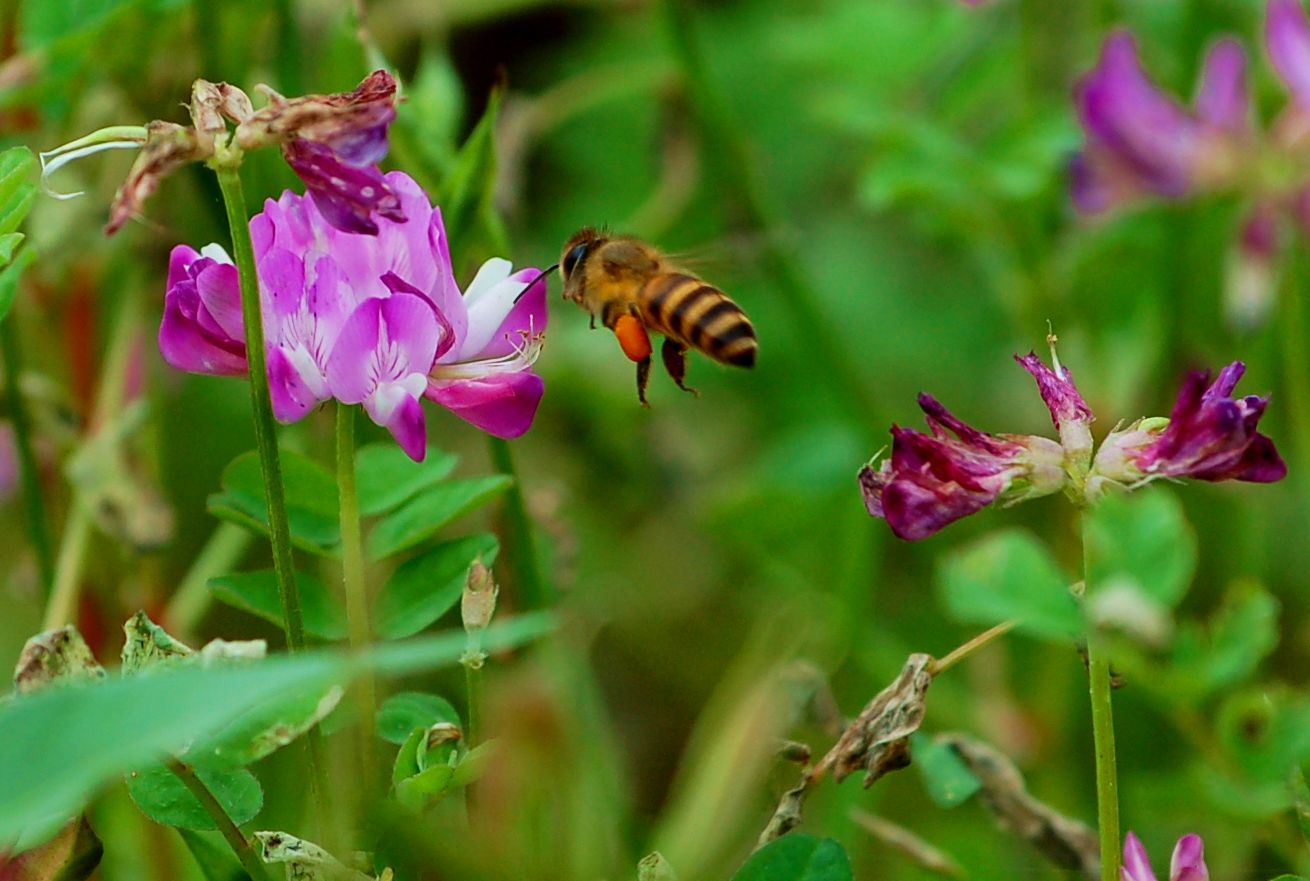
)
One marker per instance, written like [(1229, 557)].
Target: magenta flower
[(376, 320), (933, 480), (1209, 436), (1187, 863), (1141, 141)]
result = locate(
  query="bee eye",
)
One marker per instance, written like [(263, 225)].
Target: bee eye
[(571, 259)]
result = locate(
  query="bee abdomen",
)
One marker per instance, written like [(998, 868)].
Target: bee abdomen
[(699, 315)]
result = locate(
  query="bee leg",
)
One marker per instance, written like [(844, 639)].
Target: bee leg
[(675, 362), (593, 322), (643, 376)]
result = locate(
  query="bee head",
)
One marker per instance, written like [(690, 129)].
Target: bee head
[(576, 249)]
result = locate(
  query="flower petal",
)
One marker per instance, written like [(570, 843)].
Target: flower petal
[(504, 314), (1188, 861), (1223, 100), (1287, 37), (348, 367), (291, 384), (1136, 866), (503, 404), (402, 415)]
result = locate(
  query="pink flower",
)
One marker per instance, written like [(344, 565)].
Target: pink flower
[(933, 480), (1209, 436), (376, 320), (1187, 863)]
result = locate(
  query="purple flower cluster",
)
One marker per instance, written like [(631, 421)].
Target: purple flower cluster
[(932, 480), (366, 319)]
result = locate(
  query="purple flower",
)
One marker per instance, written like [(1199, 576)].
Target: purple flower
[(933, 480), (1139, 140), (1187, 863), (1287, 38), (1209, 436), (1069, 412), (376, 320)]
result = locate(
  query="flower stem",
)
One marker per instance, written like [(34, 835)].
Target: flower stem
[(1107, 775), (243, 252), (473, 685), (520, 549), (946, 662), (34, 514), (352, 569), (1296, 382), (240, 845), (224, 549)]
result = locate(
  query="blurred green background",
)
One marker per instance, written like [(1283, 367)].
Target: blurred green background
[(881, 185)]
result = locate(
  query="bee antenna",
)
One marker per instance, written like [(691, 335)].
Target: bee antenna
[(545, 272)]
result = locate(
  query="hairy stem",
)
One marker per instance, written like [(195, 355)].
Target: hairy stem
[(240, 845), (352, 570), (34, 515), (1107, 775), (243, 252), (520, 549)]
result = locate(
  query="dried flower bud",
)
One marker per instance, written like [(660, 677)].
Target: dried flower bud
[(1069, 412), (55, 656), (442, 733), (478, 603), (168, 147)]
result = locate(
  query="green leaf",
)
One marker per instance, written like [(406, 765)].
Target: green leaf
[(1267, 730), (13, 211), (406, 764), (258, 594), (311, 497), (148, 645), (401, 713), (1141, 541), (9, 243), (50, 765), (387, 477), (9, 280), (164, 798), (797, 858), (424, 787), (1240, 635), (471, 182), (1009, 575), (946, 778), (436, 508), (17, 194), (213, 857), (425, 587), (259, 733)]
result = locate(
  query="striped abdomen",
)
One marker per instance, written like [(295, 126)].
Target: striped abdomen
[(698, 315)]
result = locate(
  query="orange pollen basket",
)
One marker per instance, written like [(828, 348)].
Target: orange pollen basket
[(632, 337)]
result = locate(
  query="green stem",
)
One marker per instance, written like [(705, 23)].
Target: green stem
[(240, 845), (38, 531), (1296, 383), (1107, 775), (234, 201), (734, 163), (473, 684), (520, 549), (352, 570)]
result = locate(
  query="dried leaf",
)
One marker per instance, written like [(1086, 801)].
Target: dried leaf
[(878, 740), (55, 656), (1067, 843), (305, 861), (653, 867)]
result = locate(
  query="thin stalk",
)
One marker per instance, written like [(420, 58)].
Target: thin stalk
[(941, 665), (1292, 357), (1107, 775), (473, 685), (352, 571), (61, 607), (34, 515), (733, 161), (243, 252), (520, 549), (240, 845)]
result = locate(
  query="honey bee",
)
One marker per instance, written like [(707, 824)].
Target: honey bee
[(633, 289)]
